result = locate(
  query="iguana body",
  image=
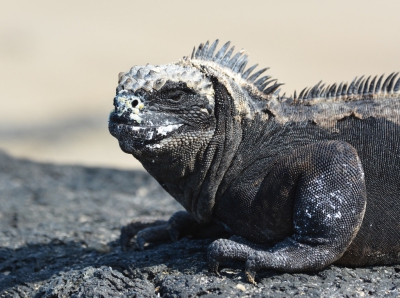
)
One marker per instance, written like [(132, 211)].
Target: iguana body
[(300, 182)]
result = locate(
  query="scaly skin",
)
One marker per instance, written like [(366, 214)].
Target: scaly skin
[(297, 182)]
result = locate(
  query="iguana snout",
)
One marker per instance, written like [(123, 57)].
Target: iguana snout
[(133, 116)]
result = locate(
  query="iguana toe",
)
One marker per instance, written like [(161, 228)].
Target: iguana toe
[(139, 242), (213, 266)]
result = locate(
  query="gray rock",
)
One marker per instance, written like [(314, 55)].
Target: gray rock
[(59, 232)]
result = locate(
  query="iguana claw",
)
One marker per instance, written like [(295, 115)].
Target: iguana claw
[(173, 233), (251, 277), (213, 266), (125, 238), (139, 242), (250, 274)]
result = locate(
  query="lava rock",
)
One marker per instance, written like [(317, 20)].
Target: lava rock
[(59, 238)]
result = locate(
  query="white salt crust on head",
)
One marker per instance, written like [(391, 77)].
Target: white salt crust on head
[(153, 77)]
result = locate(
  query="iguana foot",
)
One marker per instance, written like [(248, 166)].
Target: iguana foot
[(151, 234), (223, 249), (289, 255), (181, 223), (132, 229)]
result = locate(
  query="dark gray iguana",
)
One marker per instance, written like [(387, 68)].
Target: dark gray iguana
[(284, 176)]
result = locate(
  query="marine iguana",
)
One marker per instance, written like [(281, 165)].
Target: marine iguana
[(299, 182)]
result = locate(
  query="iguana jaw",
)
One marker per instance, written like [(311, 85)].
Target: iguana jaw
[(143, 134)]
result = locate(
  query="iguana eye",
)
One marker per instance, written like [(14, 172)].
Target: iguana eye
[(175, 95)]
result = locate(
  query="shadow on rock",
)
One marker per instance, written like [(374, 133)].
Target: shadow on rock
[(74, 266)]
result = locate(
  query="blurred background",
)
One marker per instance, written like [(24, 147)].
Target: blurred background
[(59, 60)]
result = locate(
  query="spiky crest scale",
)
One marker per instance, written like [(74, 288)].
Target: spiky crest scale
[(237, 64), (356, 90)]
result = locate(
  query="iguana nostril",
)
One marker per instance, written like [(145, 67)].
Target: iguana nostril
[(135, 103)]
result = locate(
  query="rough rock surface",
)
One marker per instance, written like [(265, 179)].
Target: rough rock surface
[(59, 231)]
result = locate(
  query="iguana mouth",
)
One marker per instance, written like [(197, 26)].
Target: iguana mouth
[(143, 132), (149, 133)]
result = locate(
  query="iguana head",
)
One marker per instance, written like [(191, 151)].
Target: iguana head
[(174, 118), (163, 115)]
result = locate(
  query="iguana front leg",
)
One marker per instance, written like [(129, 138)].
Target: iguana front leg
[(329, 199)]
